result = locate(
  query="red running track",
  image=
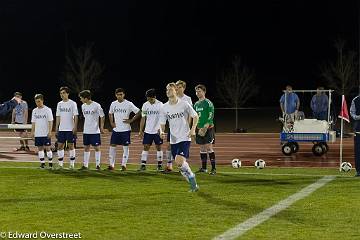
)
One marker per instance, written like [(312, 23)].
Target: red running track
[(246, 147)]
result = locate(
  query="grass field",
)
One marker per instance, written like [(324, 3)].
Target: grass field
[(151, 205)]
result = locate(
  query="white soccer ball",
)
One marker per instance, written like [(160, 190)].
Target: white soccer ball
[(236, 163), (260, 164), (345, 167)]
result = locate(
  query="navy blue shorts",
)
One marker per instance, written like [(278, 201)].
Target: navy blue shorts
[(92, 139), (64, 136), (150, 138), (42, 141), (120, 138), (181, 148)]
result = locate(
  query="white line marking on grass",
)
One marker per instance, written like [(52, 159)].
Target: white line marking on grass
[(252, 222)]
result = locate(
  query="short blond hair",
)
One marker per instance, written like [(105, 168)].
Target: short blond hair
[(172, 84), (182, 83)]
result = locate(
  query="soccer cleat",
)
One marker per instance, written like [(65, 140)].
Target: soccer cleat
[(193, 185), (110, 168), (168, 170), (142, 168), (201, 170), (159, 168), (50, 165), (357, 174), (213, 171), (123, 168), (22, 148), (98, 167), (27, 149), (84, 168), (71, 167), (42, 165)]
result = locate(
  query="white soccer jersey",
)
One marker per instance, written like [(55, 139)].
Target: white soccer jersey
[(121, 111), (187, 99), (41, 117), (152, 114), (91, 113), (66, 111), (178, 122)]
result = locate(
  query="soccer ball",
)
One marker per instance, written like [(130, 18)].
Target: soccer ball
[(260, 164), (345, 167), (236, 163)]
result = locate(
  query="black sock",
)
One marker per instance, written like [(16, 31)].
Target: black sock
[(212, 160), (143, 163), (159, 163), (203, 157)]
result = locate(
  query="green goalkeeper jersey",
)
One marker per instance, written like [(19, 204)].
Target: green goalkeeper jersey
[(205, 110)]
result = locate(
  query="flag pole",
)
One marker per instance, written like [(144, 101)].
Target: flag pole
[(341, 141)]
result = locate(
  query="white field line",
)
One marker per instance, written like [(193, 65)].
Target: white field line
[(259, 218)]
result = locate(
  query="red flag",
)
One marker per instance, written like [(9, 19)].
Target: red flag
[(344, 114)]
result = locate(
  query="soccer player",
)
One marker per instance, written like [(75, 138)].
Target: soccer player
[(175, 111), (205, 133), (180, 89), (20, 116), (42, 123), (119, 113), (150, 112), (92, 111), (66, 126)]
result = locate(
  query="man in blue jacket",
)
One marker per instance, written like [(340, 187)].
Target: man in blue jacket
[(8, 106), (355, 114)]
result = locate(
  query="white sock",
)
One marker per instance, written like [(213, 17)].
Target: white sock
[(49, 155), (86, 159), (72, 157), (185, 168), (112, 156), (125, 155), (169, 158), (97, 158), (41, 155), (144, 157), (159, 156), (61, 154)]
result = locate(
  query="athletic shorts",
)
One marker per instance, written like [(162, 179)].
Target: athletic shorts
[(150, 138), (42, 141), (208, 138), (120, 138), (20, 130), (64, 136), (92, 139), (181, 148)]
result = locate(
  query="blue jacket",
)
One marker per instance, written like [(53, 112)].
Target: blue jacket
[(7, 107)]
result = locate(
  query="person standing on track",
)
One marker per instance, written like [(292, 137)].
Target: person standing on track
[(66, 126), (319, 104), (205, 133), (355, 114), (175, 111), (20, 116), (289, 104)]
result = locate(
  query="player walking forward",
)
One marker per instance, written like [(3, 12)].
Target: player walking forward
[(66, 126), (119, 113), (150, 112), (205, 133), (92, 111), (42, 123), (175, 112)]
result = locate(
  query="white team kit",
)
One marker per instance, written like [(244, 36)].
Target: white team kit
[(152, 114), (178, 122), (187, 99), (122, 111), (66, 111), (91, 113), (41, 117)]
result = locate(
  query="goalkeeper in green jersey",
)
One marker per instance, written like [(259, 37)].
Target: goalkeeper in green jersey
[(205, 134)]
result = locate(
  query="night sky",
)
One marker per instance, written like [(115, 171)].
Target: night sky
[(146, 44)]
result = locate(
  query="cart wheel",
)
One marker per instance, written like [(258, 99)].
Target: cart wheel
[(295, 147), (318, 149), (287, 149), (325, 147)]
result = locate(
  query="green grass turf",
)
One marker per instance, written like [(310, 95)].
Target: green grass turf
[(151, 205)]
